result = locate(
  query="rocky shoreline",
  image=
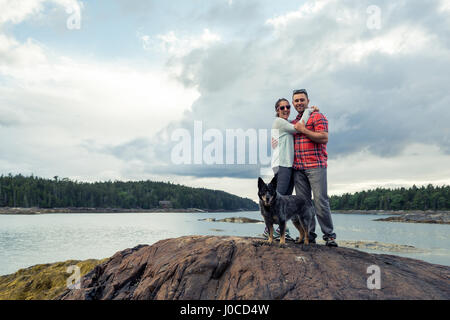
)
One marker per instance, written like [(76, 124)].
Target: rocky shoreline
[(35, 211), (428, 217), (389, 212), (413, 216)]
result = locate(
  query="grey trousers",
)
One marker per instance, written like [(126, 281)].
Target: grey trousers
[(315, 180)]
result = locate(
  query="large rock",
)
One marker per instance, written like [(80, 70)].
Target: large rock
[(210, 267)]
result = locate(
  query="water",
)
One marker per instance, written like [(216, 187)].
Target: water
[(26, 240)]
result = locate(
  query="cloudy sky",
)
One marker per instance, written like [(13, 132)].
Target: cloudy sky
[(98, 90)]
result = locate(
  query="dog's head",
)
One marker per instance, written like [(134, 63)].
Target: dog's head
[(267, 192)]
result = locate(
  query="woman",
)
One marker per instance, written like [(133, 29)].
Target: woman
[(283, 151)]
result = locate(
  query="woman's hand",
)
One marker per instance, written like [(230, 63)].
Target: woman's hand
[(274, 143), (300, 126)]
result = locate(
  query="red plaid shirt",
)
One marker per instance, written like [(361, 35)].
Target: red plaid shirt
[(308, 154)]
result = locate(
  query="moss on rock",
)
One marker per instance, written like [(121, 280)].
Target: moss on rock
[(43, 281)]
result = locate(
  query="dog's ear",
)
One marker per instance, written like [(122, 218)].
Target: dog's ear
[(273, 183), (261, 183)]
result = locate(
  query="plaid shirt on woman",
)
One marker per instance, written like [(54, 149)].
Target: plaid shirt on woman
[(308, 154)]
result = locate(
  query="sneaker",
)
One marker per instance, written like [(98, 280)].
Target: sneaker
[(331, 243), (288, 237), (266, 233), (276, 234)]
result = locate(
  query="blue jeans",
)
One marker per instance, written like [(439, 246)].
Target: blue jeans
[(315, 180), (285, 180)]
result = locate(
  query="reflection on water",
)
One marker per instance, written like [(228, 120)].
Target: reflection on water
[(35, 239)]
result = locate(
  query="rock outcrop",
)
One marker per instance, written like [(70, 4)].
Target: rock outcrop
[(427, 217), (211, 267), (233, 220)]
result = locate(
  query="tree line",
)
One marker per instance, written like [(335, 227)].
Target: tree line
[(23, 191), (414, 198)]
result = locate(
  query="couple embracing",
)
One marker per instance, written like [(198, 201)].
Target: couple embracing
[(299, 159)]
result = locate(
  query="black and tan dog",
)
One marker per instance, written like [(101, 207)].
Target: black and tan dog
[(279, 209)]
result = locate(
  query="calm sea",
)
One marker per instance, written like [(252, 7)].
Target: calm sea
[(35, 239)]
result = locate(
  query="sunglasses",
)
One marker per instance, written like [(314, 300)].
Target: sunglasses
[(288, 107)]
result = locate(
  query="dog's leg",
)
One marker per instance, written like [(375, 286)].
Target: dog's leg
[(270, 227), (282, 233), (305, 225), (300, 230), (305, 230)]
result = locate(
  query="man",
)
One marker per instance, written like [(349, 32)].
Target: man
[(310, 165)]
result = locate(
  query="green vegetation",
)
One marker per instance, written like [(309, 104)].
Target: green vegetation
[(41, 282), (21, 191), (423, 198)]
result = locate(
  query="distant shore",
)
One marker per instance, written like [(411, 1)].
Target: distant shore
[(34, 211), (390, 212), (412, 216)]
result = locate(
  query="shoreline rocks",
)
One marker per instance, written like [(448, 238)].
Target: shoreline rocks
[(380, 246), (434, 218), (35, 211)]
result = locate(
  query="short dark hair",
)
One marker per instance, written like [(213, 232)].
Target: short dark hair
[(301, 91)]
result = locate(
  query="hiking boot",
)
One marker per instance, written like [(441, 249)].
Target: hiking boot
[(330, 242)]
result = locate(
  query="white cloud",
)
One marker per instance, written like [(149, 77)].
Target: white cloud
[(16, 11), (445, 6), (102, 96), (306, 10), (404, 39), (179, 45)]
